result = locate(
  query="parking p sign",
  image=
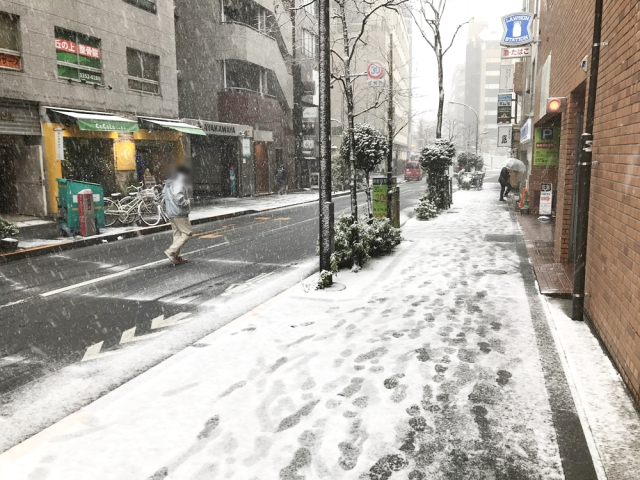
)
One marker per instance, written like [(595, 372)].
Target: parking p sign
[(375, 72)]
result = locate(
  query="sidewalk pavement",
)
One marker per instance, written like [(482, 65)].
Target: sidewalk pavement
[(220, 209), (440, 361)]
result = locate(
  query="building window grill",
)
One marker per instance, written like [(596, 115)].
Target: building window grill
[(10, 51), (309, 44), (143, 70)]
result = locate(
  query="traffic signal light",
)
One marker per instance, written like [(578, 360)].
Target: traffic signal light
[(556, 105)]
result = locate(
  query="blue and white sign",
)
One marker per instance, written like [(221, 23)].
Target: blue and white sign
[(517, 29), (525, 132)]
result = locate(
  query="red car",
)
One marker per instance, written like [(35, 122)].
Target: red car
[(412, 171)]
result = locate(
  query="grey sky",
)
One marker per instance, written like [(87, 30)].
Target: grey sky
[(425, 81)]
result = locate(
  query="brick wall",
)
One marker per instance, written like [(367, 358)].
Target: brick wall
[(613, 256)]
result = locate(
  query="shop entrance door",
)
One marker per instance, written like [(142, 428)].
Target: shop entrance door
[(229, 153), (22, 180), (261, 162)]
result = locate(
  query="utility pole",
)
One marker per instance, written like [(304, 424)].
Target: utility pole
[(296, 71), (584, 173), (390, 133), (324, 124)]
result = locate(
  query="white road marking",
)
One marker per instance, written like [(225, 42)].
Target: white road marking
[(129, 336), (241, 287), (161, 322), (92, 352), (17, 302), (119, 274)]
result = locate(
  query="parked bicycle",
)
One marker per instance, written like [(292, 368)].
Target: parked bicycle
[(140, 204)]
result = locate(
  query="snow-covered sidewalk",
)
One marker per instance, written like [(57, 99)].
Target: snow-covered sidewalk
[(428, 364)]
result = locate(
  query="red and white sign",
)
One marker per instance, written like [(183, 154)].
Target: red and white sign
[(516, 52), (10, 61), (546, 199), (73, 47), (66, 45), (375, 71)]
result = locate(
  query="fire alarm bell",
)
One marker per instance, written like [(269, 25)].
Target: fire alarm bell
[(556, 105)]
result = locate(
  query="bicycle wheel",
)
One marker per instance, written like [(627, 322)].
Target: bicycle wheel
[(111, 212), (149, 213)]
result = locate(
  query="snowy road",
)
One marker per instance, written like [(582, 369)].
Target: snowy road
[(435, 363), (90, 303)]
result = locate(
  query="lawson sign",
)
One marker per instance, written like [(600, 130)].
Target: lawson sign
[(517, 29)]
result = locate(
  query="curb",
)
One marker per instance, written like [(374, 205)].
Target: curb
[(88, 242)]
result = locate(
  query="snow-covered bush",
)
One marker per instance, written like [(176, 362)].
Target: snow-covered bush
[(384, 237), (426, 209), (7, 229), (436, 159), (375, 237)]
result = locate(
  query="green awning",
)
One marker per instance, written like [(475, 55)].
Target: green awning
[(99, 122), (174, 125)]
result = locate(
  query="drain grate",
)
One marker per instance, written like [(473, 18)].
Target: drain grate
[(500, 238)]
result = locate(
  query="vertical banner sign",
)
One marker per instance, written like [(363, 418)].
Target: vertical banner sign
[(504, 108), (246, 147), (546, 198), (504, 136), (59, 143), (547, 146), (380, 190), (506, 78)]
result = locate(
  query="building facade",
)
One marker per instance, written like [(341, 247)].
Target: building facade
[(612, 298), (234, 59), (75, 79), (371, 102)]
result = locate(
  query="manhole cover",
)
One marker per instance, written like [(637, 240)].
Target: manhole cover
[(500, 238)]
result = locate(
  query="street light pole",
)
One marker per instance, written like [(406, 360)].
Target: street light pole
[(477, 121)]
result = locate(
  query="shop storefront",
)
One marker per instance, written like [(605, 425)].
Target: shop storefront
[(222, 160), (110, 150), (22, 169)]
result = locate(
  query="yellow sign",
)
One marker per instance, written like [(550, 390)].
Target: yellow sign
[(125, 156)]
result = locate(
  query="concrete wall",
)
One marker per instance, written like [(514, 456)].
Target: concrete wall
[(118, 25)]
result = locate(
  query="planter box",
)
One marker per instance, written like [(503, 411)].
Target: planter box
[(8, 244)]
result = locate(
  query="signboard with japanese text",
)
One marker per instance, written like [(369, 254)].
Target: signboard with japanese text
[(546, 199), (504, 108), (547, 146), (516, 52), (59, 140), (380, 196), (525, 132), (505, 136), (10, 61), (506, 78), (246, 147), (78, 56), (517, 29)]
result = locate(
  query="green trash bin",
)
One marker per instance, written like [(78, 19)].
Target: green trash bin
[(68, 217)]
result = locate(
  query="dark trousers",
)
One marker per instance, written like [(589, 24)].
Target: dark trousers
[(504, 190)]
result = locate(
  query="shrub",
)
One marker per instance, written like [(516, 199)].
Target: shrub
[(436, 158), (376, 236), (426, 209), (7, 229)]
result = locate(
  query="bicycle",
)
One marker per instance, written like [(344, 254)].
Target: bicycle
[(140, 204), (152, 213)]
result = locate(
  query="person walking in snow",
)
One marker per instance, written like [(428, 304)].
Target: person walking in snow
[(281, 178), (505, 186), (176, 205)]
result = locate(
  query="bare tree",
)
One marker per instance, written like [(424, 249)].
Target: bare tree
[(431, 12), (350, 13)]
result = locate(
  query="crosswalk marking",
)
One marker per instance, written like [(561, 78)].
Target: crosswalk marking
[(161, 322), (241, 287)]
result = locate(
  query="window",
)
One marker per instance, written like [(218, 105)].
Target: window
[(144, 71), (241, 75), (312, 8), (249, 13), (309, 44), (148, 5), (10, 56), (79, 56)]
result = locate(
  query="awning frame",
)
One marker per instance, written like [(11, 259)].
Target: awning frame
[(97, 121), (171, 124)]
